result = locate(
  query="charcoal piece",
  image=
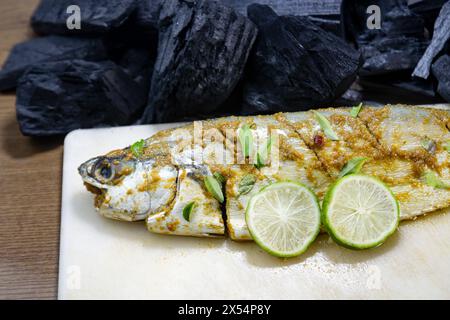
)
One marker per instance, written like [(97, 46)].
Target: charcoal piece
[(330, 25), (441, 35), (57, 97), (145, 15), (97, 16), (396, 46), (321, 8), (203, 47), (391, 55), (441, 71), (324, 13), (295, 64), (51, 48)]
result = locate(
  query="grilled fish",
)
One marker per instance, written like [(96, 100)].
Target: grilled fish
[(401, 143)]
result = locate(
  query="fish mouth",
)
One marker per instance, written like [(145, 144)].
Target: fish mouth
[(90, 184), (93, 189), (85, 171)]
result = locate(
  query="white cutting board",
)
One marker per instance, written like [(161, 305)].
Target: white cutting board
[(105, 259)]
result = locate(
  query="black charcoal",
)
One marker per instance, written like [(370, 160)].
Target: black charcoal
[(324, 13), (97, 16), (331, 25), (51, 48), (396, 46), (441, 71), (321, 8), (295, 65), (57, 97), (441, 35), (203, 47)]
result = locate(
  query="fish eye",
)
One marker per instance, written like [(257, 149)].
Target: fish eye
[(104, 171)]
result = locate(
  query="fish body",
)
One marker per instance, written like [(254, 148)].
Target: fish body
[(401, 144)]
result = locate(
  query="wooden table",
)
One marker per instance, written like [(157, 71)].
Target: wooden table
[(30, 186)]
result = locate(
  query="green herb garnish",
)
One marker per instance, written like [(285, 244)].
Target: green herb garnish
[(260, 162), (214, 187), (246, 140), (137, 148), (447, 146), (355, 110), (353, 166), (246, 184), (187, 210), (432, 179), (326, 126), (263, 154), (220, 178)]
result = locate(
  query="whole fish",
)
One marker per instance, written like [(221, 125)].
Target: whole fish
[(196, 180)]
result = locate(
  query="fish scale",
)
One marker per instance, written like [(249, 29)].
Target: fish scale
[(391, 137)]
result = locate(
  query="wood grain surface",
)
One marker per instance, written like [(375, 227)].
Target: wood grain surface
[(30, 185)]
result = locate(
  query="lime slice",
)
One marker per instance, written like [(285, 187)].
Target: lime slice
[(284, 218), (360, 212)]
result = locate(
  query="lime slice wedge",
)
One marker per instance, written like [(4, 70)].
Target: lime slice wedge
[(360, 212), (284, 218)]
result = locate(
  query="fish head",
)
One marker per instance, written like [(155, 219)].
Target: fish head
[(119, 182)]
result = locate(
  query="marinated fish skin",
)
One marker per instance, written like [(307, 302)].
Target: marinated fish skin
[(414, 139), (392, 145), (167, 176), (442, 114), (402, 130), (354, 138), (205, 218), (294, 162)]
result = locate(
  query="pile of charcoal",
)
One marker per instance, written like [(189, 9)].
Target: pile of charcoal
[(102, 63)]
